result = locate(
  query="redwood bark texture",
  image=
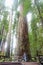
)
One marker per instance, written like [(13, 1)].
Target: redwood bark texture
[(23, 40)]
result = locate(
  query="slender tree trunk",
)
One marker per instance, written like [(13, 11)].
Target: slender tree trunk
[(9, 35)]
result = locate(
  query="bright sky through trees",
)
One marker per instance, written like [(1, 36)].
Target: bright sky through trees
[(9, 3)]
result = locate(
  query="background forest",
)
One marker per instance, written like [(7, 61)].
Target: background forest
[(21, 27)]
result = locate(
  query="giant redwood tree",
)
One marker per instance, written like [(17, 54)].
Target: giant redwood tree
[(23, 40)]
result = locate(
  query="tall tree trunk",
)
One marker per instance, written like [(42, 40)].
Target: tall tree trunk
[(9, 35), (23, 41)]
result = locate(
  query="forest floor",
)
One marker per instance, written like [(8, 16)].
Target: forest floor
[(17, 63)]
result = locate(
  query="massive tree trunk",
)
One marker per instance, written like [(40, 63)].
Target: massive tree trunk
[(23, 40)]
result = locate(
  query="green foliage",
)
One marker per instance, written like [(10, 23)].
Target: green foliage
[(27, 6), (36, 35), (5, 21)]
